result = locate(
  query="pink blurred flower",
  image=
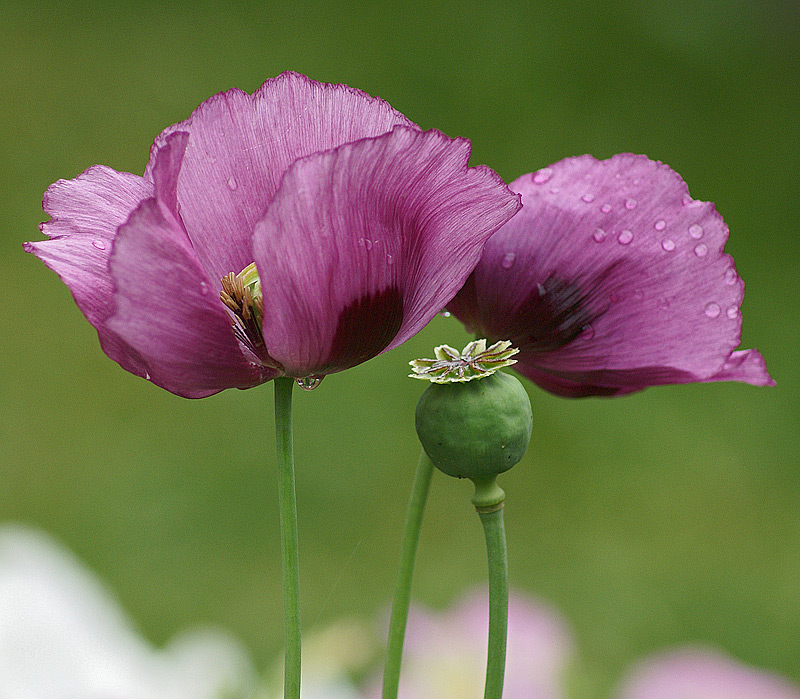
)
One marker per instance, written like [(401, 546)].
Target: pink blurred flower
[(702, 674), (611, 279), (445, 653), (361, 227)]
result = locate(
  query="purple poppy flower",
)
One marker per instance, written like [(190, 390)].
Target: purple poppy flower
[(611, 279), (297, 231)]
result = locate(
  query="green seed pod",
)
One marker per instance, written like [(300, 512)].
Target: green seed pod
[(475, 429)]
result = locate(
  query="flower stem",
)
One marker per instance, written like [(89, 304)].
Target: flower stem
[(289, 548), (402, 593), (488, 501)]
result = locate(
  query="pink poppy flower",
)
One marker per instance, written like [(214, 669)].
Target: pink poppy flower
[(296, 231), (611, 279)]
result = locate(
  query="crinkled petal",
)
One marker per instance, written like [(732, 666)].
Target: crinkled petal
[(611, 279), (363, 245), (693, 673), (85, 215), (169, 310), (241, 145)]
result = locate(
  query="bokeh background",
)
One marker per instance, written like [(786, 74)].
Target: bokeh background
[(667, 517)]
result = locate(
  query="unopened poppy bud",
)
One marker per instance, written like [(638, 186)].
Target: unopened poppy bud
[(473, 428)]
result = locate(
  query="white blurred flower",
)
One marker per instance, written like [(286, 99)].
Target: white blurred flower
[(63, 636), (331, 656)]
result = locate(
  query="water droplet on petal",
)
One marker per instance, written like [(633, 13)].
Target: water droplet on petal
[(232, 184), (99, 244), (731, 276), (368, 244), (147, 376), (712, 310), (732, 312), (638, 294), (587, 333), (203, 288), (555, 190), (445, 314), (508, 260), (701, 250), (660, 225), (668, 244), (630, 204), (664, 304), (389, 259), (605, 208), (309, 383), (599, 235), (542, 176), (696, 231), (625, 237), (588, 198)]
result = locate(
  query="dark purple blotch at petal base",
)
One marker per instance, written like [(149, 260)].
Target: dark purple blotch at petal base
[(365, 328), (611, 279)]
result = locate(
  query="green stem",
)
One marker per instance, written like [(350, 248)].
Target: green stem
[(488, 501), (402, 593), (289, 547)]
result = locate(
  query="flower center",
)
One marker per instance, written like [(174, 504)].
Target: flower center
[(241, 293)]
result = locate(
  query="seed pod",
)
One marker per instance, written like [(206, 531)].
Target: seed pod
[(475, 429)]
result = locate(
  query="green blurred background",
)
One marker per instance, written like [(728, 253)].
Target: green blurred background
[(667, 517)]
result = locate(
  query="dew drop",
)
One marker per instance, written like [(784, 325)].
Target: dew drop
[(389, 259), (732, 312), (625, 237), (638, 294), (367, 243), (588, 198), (147, 376), (542, 176), (99, 244), (731, 276), (587, 333), (660, 225), (664, 304), (712, 310), (605, 208), (701, 250), (555, 190), (232, 185), (445, 314), (668, 244), (508, 260), (203, 288), (309, 383), (630, 204), (599, 235), (696, 231)]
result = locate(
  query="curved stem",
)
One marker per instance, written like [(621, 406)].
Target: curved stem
[(289, 548), (490, 510), (402, 593)]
